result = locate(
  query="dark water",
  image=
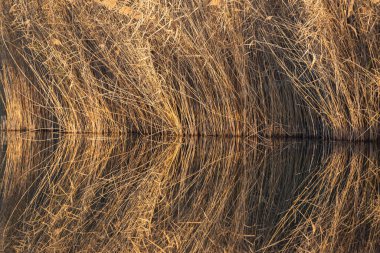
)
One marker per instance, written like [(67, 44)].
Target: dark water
[(105, 194)]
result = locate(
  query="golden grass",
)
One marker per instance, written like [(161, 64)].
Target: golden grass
[(195, 195), (245, 67)]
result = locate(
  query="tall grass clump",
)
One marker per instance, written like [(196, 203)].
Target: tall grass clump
[(245, 67), (64, 194)]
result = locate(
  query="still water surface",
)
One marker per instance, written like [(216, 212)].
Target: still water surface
[(88, 193)]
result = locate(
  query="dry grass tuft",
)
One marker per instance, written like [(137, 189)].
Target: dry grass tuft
[(246, 67)]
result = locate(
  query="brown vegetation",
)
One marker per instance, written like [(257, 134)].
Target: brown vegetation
[(65, 194), (244, 67)]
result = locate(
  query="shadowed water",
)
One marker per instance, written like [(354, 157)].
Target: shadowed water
[(87, 193)]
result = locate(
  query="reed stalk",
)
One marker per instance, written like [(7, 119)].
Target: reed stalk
[(304, 68)]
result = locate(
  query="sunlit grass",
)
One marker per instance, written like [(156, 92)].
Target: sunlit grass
[(245, 67)]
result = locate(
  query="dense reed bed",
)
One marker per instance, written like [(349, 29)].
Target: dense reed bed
[(64, 194), (243, 67)]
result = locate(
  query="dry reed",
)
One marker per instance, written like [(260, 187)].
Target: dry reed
[(244, 67)]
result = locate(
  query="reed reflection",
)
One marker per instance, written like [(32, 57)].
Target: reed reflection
[(104, 194)]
